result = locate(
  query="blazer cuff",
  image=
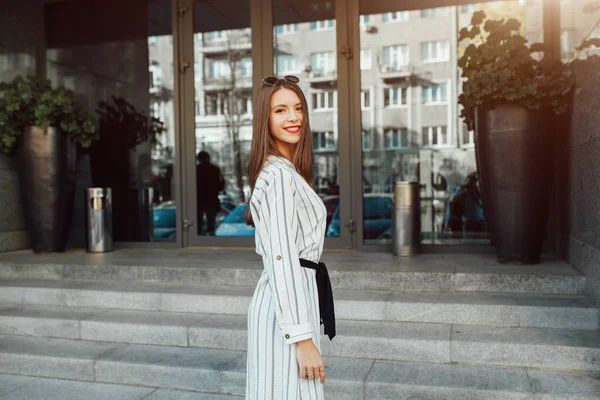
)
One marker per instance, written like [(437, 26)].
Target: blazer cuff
[(297, 333)]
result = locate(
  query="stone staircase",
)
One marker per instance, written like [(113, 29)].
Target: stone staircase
[(145, 325)]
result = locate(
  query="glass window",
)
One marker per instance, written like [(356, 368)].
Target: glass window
[(404, 139), (366, 58), (435, 94), (223, 54), (218, 69), (217, 35), (396, 139), (287, 64), (323, 100), (323, 141), (367, 137), (435, 12), (435, 51), (396, 16), (246, 67), (365, 99), (468, 137), (155, 75), (425, 137), (211, 103), (311, 54), (580, 20), (468, 8), (364, 21), (322, 25), (419, 140), (395, 97), (395, 57), (323, 63), (121, 77), (287, 29), (435, 136)]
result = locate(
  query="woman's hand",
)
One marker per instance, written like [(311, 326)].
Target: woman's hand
[(310, 361)]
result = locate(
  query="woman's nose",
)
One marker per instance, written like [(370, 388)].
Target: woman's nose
[(292, 116)]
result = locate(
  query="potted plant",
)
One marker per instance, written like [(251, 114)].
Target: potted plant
[(512, 96), (122, 129), (43, 126)]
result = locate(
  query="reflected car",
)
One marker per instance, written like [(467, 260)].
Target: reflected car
[(377, 216), (164, 217), (331, 204), (388, 234), (235, 223)]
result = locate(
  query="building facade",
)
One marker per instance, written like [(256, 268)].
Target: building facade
[(381, 80)]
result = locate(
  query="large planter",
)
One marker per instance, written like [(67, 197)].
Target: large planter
[(47, 161), (515, 157)]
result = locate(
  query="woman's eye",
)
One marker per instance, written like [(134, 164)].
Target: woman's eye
[(299, 109)]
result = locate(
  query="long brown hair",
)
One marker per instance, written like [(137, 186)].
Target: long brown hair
[(263, 143)]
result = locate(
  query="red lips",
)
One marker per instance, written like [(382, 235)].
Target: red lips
[(292, 129)]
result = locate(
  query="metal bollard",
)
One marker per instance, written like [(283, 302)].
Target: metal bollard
[(99, 220), (407, 218)]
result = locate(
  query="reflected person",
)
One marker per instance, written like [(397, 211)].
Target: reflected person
[(209, 182)]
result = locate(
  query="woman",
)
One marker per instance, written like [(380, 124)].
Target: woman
[(293, 293)]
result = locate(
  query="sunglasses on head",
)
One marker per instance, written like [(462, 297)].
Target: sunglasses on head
[(271, 80)]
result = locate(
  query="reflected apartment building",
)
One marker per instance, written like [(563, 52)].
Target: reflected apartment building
[(409, 123), (410, 81)]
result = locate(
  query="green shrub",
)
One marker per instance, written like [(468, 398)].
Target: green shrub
[(502, 69), (25, 102)]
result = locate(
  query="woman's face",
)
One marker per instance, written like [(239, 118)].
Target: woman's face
[(285, 120)]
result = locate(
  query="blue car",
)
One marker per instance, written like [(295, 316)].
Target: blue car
[(164, 217), (235, 223), (377, 216)]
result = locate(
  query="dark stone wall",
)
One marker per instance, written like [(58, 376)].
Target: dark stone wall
[(584, 201), (17, 57)]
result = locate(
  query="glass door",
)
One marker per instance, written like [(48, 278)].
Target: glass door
[(409, 115), (308, 38), (220, 140), (227, 48)]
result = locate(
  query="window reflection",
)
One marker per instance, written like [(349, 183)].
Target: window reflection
[(410, 125), (126, 76), (304, 41), (223, 94)]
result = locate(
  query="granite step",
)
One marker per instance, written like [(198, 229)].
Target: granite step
[(348, 270), (16, 387), (400, 341), (435, 343), (500, 309), (223, 372)]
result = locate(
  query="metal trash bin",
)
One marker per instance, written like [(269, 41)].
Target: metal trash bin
[(406, 219), (99, 227)]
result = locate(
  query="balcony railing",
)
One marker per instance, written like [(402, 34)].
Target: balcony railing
[(234, 43), (226, 82), (322, 77), (410, 74)]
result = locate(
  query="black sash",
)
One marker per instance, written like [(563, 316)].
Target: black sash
[(325, 295)]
